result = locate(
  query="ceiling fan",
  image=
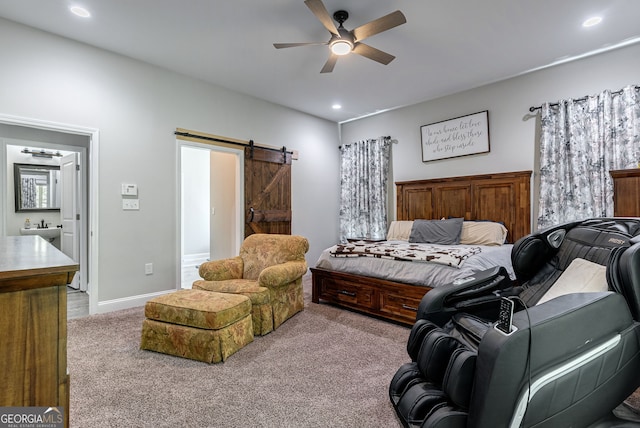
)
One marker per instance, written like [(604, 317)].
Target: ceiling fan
[(344, 41)]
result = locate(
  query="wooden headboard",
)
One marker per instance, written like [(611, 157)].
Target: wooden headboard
[(500, 197)]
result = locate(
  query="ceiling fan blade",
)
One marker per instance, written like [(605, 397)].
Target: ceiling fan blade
[(318, 9), (373, 53), (331, 62), (293, 45), (379, 25)]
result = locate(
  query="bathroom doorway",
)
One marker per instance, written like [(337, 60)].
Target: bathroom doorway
[(18, 134), (210, 221), (37, 169)]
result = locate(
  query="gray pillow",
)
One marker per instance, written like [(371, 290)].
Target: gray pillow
[(444, 232)]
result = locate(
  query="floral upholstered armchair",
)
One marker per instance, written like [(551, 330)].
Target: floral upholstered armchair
[(269, 271)]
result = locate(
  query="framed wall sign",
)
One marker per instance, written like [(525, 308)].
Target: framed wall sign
[(460, 136)]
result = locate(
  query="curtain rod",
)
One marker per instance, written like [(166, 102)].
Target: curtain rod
[(388, 137), (249, 143), (532, 109)]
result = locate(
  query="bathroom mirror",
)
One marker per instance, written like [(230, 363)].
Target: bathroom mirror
[(36, 187)]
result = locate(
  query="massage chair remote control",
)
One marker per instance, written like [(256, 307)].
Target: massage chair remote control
[(505, 316)]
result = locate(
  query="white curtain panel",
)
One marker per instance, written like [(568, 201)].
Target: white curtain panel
[(29, 193), (581, 141), (364, 170)]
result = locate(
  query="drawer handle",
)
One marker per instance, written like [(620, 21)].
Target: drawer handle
[(347, 293), (411, 308)]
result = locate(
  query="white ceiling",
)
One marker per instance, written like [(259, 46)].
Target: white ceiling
[(445, 47)]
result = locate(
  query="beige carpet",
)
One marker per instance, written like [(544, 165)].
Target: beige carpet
[(325, 367), (633, 402)]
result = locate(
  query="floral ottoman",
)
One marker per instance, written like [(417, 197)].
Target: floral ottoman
[(200, 325)]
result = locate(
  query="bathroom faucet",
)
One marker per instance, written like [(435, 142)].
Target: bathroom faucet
[(42, 225)]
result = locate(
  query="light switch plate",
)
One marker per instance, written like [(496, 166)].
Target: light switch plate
[(131, 204), (129, 189)]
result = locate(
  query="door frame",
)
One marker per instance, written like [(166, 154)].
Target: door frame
[(92, 194), (71, 227), (239, 197)]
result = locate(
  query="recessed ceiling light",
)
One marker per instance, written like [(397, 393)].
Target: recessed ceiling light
[(80, 11), (336, 106), (595, 20)]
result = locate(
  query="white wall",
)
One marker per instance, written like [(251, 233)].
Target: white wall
[(196, 200), (136, 108), (512, 129), (223, 219)]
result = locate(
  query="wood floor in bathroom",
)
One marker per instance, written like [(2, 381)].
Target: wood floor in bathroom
[(77, 303)]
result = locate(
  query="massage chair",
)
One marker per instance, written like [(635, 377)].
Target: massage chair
[(567, 362)]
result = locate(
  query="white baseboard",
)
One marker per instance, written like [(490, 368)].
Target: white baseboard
[(190, 264), (194, 259), (190, 274), (128, 302)]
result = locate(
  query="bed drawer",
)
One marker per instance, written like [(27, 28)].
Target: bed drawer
[(347, 294), (399, 306), (385, 299)]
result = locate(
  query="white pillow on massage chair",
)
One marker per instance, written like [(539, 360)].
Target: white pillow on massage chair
[(582, 276)]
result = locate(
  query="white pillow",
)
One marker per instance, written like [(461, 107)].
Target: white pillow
[(582, 276), (483, 233), (399, 230)]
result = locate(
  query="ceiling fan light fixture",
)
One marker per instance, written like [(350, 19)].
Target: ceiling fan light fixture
[(343, 41), (341, 47)]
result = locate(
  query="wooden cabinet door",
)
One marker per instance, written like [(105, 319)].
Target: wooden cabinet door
[(30, 347), (267, 191)]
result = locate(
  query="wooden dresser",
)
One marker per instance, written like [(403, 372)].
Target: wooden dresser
[(33, 323), (626, 192)]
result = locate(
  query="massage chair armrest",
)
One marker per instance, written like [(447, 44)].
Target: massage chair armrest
[(478, 291), (222, 270), (547, 336), (565, 324), (282, 274)]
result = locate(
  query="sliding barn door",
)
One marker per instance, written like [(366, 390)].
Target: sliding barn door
[(267, 191)]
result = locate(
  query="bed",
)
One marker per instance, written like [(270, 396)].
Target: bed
[(503, 198)]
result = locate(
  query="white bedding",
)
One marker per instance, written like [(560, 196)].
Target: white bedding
[(419, 253), (430, 274)]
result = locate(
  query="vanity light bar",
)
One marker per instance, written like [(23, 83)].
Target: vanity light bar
[(41, 153)]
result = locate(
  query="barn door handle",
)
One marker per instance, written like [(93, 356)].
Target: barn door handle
[(252, 213)]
